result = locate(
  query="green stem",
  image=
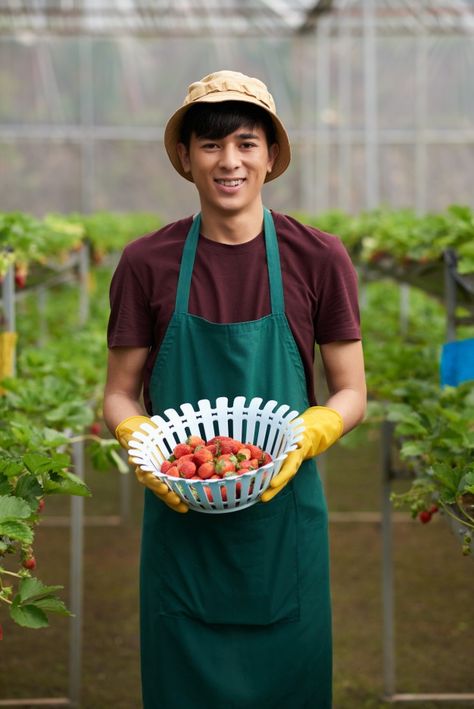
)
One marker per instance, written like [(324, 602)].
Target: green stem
[(2, 598), (455, 517), (9, 573)]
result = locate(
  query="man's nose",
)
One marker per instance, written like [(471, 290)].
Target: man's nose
[(229, 157)]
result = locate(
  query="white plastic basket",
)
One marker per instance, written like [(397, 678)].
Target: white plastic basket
[(273, 427)]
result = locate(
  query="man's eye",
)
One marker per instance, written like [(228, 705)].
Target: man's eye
[(248, 145), (209, 146)]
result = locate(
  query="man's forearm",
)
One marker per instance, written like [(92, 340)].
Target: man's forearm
[(351, 404), (118, 407)]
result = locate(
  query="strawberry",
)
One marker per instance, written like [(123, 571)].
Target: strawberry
[(224, 466), (424, 516), (173, 471), (267, 458), (195, 441), (238, 488), (224, 494), (206, 470), (29, 563), (203, 455), (41, 504), (208, 492), (244, 454), (212, 447), (254, 463), (95, 428), (244, 466), (1, 633), (255, 451), (21, 273), (433, 509), (165, 466), (182, 449), (186, 468), (230, 446)]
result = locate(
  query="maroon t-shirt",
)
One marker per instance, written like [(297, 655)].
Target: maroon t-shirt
[(230, 284)]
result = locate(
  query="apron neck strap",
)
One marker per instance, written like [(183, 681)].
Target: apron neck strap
[(273, 262)]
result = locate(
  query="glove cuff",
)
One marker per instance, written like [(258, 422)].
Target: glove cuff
[(127, 428), (338, 420)]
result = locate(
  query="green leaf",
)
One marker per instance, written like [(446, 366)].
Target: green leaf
[(13, 508), (66, 484), (17, 530), (31, 588), (28, 616), (413, 449), (52, 605), (10, 468), (29, 489), (37, 463)]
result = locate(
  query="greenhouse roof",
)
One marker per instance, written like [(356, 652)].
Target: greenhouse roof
[(229, 17)]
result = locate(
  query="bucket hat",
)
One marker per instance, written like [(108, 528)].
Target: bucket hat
[(228, 86)]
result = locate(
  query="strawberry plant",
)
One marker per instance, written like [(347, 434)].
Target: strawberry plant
[(436, 431)]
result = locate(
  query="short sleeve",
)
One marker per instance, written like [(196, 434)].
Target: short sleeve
[(337, 315), (130, 323)]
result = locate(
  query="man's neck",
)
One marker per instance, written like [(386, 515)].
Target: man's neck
[(233, 228)]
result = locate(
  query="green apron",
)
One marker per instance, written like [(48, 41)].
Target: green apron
[(235, 608)]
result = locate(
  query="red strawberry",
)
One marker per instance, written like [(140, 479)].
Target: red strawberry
[(195, 441), (238, 488), (173, 471), (267, 458), (186, 468), (95, 428), (224, 494), (21, 273), (206, 470), (203, 455), (41, 504), (208, 492), (424, 516), (224, 466), (213, 448), (230, 446), (254, 463), (245, 465), (166, 465), (255, 451), (30, 563), (182, 449), (244, 453), (433, 509)]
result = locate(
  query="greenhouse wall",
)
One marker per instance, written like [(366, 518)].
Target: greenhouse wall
[(82, 118)]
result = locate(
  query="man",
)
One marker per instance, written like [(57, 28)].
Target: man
[(235, 608)]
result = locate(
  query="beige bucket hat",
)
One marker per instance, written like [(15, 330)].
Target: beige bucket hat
[(228, 86)]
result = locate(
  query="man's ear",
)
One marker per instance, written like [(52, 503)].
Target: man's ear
[(183, 154), (273, 151)]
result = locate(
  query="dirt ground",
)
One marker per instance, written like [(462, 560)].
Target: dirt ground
[(434, 587)]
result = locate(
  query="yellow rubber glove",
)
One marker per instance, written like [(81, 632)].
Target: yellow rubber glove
[(123, 434), (323, 427)]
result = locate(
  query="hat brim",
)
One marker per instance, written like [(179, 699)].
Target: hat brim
[(173, 131)]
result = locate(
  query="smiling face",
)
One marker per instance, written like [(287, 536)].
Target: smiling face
[(229, 172)]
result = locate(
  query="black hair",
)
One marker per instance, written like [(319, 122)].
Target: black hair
[(216, 120)]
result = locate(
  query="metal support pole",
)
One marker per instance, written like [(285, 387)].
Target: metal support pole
[(344, 87), (322, 130), (420, 117), (371, 112), (450, 294), (387, 562), (87, 123), (404, 308), (8, 295), (76, 580), (42, 324), (84, 301)]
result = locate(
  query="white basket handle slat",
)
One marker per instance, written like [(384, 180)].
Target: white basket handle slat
[(222, 415), (265, 417), (192, 419), (207, 418), (238, 406), (176, 425), (252, 418)]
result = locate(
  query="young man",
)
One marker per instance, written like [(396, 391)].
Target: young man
[(235, 608)]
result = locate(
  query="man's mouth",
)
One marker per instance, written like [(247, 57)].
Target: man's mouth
[(231, 183)]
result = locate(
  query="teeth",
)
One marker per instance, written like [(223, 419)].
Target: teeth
[(230, 183)]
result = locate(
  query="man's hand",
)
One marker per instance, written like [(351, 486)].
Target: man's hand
[(323, 427), (123, 434)]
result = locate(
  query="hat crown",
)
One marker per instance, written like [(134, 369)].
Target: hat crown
[(223, 81)]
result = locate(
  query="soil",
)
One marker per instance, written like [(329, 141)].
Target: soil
[(433, 597)]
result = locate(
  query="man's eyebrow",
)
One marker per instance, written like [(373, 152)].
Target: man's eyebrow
[(246, 136)]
